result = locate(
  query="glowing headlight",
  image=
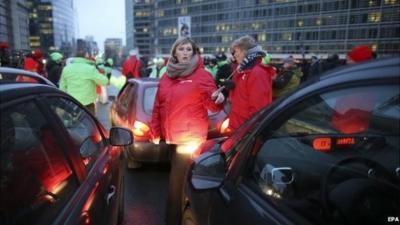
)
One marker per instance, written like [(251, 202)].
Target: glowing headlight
[(187, 148)]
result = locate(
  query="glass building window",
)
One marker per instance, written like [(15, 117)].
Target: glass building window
[(374, 17)]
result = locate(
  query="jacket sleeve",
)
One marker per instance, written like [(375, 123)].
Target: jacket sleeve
[(62, 82), (208, 87), (155, 124), (125, 68), (138, 66), (99, 78), (259, 89)]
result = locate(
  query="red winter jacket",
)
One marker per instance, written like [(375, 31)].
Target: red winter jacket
[(30, 64), (252, 92), (131, 67), (180, 108)]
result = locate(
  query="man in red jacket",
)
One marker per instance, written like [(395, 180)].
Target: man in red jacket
[(252, 81), (131, 66)]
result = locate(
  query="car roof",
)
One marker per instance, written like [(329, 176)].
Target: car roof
[(379, 70), (143, 80), (367, 70), (15, 72), (10, 91)]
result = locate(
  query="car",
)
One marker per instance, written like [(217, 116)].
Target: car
[(133, 108), (12, 75), (328, 153), (58, 164)]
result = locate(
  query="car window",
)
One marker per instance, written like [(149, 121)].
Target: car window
[(332, 159), (149, 97), (83, 130), (125, 96), (36, 180)]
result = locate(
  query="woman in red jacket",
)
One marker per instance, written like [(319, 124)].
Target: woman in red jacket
[(252, 81), (184, 95)]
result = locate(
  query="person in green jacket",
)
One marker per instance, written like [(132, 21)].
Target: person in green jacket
[(212, 67), (79, 79), (158, 69), (288, 78)]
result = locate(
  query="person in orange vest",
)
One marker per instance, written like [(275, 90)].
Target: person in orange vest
[(131, 66)]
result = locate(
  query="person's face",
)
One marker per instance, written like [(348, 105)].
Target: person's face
[(184, 52), (238, 54)]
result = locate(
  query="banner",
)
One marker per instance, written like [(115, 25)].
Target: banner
[(184, 26)]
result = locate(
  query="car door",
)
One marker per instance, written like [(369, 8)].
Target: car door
[(37, 180), (305, 163), (101, 185)]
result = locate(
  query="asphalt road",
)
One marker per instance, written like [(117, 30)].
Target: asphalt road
[(145, 188)]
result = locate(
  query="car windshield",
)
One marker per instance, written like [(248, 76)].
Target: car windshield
[(149, 97), (334, 152)]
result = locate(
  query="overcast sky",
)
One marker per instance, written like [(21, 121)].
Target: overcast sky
[(101, 19)]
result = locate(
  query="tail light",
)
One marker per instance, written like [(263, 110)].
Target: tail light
[(224, 129), (140, 129)]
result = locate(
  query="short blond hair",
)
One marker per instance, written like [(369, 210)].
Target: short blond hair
[(244, 43), (184, 40)]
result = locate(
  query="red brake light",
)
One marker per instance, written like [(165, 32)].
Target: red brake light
[(140, 129), (224, 127)]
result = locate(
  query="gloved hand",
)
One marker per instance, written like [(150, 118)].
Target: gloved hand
[(220, 99), (217, 96)]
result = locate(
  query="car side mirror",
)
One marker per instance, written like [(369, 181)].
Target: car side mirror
[(208, 171), (120, 136)]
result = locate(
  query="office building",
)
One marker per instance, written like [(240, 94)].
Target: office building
[(14, 29), (140, 25), (113, 49), (52, 25), (280, 26)]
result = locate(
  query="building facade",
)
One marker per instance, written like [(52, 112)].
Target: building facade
[(14, 24), (280, 26), (141, 25), (52, 25), (113, 49)]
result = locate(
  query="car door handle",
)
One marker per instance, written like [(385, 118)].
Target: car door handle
[(110, 194)]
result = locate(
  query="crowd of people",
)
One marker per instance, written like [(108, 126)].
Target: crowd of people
[(189, 86)]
